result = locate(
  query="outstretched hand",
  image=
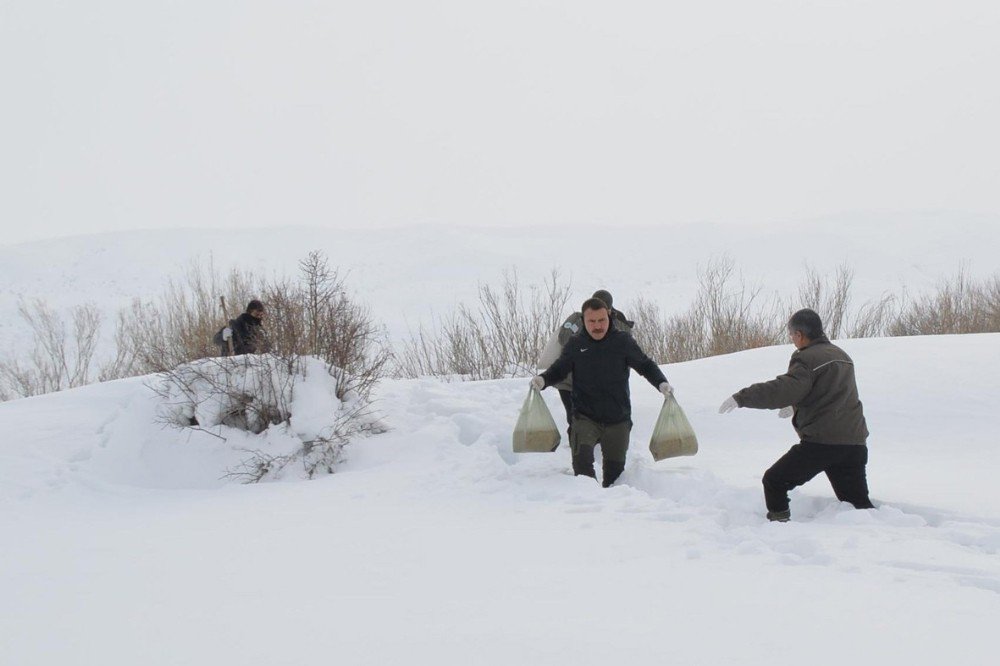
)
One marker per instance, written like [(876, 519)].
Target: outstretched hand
[(538, 382), (785, 412), (728, 406), (665, 388)]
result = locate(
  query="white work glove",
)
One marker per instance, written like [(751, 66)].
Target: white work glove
[(785, 412), (538, 382), (665, 388), (728, 406), (227, 333)]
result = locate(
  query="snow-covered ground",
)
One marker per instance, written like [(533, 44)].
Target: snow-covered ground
[(434, 544)]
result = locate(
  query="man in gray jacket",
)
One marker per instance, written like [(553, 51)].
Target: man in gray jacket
[(820, 390)]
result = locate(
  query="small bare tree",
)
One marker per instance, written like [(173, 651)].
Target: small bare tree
[(60, 359)]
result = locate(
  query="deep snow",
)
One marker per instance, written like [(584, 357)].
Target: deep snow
[(435, 544)]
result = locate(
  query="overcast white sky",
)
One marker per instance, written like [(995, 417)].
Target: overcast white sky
[(121, 115)]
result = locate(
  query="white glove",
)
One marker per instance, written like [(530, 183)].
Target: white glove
[(728, 406), (227, 333), (538, 382), (665, 388), (785, 412)]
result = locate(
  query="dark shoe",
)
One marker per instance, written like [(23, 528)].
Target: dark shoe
[(584, 466), (612, 470), (779, 516)]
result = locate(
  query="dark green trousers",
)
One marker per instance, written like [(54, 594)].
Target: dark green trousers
[(586, 434)]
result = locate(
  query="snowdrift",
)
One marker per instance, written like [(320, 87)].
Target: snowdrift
[(435, 543)]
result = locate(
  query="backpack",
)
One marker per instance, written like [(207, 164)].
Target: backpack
[(219, 342)]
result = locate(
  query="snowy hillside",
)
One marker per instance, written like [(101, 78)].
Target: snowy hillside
[(409, 275), (435, 544)]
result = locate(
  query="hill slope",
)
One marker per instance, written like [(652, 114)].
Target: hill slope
[(435, 544)]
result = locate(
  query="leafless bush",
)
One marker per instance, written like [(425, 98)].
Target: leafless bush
[(829, 298), (256, 392), (315, 316), (728, 315), (873, 318), (958, 305), (650, 329), (501, 337), (309, 318), (737, 316), (60, 359)]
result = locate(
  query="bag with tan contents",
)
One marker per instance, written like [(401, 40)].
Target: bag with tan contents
[(536, 430), (673, 435)]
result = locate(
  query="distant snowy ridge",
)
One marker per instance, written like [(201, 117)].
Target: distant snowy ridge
[(409, 275)]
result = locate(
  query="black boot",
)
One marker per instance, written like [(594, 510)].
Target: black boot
[(779, 516), (612, 470), (583, 462)]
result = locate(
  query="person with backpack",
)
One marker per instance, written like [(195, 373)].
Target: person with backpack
[(600, 356), (246, 332), (820, 392)]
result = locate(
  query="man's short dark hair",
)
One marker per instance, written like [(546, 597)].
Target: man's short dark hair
[(255, 306), (806, 322), (594, 304)]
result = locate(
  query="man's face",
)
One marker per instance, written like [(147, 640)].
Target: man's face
[(596, 323), (798, 339), (257, 314)]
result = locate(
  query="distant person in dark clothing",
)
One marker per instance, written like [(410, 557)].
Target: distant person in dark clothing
[(247, 331), (821, 392), (599, 357)]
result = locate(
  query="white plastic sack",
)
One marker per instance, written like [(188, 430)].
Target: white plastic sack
[(536, 430), (673, 435)]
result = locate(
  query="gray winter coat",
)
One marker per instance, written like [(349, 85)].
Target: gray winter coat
[(820, 385)]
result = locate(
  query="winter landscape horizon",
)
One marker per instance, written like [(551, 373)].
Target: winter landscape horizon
[(427, 151)]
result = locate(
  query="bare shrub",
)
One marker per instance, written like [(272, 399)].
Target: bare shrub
[(736, 315), (873, 318), (728, 315), (60, 359), (256, 393), (313, 326), (958, 305), (501, 337), (829, 299), (651, 329), (316, 317)]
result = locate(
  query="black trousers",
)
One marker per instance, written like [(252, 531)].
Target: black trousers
[(844, 465)]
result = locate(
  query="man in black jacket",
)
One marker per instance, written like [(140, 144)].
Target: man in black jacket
[(247, 331), (599, 358), (569, 328), (820, 390)]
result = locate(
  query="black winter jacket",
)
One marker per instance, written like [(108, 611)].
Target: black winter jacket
[(248, 335), (600, 374)]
